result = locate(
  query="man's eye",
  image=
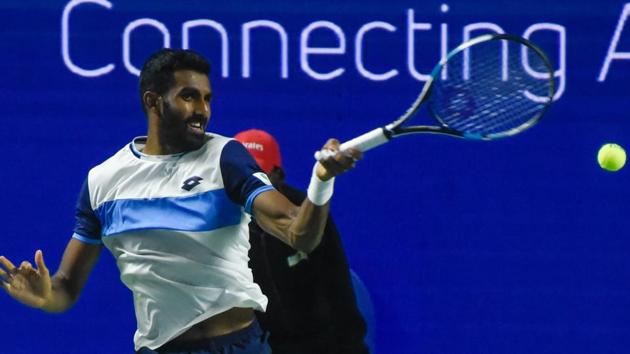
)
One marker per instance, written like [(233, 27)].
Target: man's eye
[(187, 97)]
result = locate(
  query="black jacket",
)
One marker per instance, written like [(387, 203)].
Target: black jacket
[(312, 307)]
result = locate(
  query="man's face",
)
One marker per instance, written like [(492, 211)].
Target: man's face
[(185, 111)]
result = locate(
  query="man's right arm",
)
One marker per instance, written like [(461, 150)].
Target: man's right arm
[(75, 268), (33, 286)]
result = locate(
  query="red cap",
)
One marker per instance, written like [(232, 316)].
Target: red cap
[(262, 146)]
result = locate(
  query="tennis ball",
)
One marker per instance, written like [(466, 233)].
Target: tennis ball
[(611, 157)]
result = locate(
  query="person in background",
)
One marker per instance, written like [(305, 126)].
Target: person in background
[(312, 306)]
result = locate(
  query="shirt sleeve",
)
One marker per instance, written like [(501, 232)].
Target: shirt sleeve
[(242, 178), (87, 227)]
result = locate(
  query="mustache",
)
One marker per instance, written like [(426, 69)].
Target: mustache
[(168, 111), (197, 118)]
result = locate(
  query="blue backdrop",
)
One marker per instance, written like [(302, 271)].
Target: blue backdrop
[(514, 246)]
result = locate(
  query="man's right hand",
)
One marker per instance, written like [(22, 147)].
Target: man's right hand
[(28, 285)]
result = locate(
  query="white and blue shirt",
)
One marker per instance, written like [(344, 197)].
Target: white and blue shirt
[(177, 226)]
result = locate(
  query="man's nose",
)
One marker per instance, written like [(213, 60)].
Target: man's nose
[(202, 107)]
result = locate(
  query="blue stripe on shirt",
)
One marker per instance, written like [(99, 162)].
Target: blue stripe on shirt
[(87, 240), (201, 212), (250, 200)]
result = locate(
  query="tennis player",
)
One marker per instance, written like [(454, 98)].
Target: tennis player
[(173, 207)]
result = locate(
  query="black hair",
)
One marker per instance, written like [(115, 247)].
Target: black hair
[(157, 71)]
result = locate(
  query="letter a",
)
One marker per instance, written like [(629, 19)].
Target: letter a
[(612, 53)]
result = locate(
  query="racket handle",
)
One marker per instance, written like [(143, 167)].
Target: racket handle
[(362, 143)]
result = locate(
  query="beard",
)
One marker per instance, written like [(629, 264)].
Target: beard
[(177, 131)]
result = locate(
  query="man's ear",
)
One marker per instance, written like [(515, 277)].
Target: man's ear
[(151, 101)]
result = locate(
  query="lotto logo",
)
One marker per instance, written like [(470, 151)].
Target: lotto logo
[(191, 183)]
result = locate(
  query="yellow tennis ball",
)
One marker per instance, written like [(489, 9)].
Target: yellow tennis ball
[(611, 157)]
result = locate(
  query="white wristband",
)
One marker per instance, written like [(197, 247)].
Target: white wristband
[(319, 192)]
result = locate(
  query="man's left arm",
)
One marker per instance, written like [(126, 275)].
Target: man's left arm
[(302, 227)]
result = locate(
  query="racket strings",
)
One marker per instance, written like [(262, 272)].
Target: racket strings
[(490, 89), (493, 117)]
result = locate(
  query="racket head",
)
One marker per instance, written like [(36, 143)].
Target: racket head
[(490, 87)]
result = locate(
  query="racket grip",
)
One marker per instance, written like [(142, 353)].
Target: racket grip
[(362, 143)]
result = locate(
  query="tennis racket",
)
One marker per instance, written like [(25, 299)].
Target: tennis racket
[(490, 87)]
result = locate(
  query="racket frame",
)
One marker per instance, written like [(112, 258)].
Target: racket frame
[(395, 129)]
